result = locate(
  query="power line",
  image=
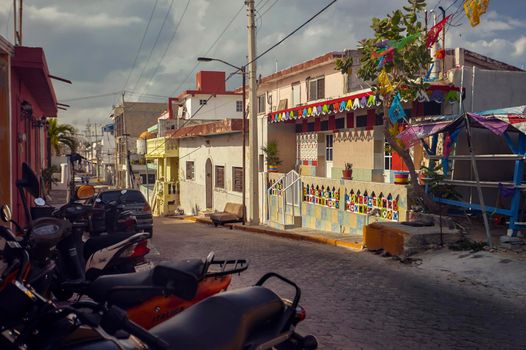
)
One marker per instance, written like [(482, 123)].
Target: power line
[(91, 96), (140, 45), (154, 44), (168, 46), (209, 49), (268, 9)]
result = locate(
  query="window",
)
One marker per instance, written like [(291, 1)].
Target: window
[(328, 147), (189, 170), (316, 88), (202, 102), (261, 103), (237, 179), (361, 121), (388, 156), (239, 106), (220, 176), (379, 119), (295, 100)]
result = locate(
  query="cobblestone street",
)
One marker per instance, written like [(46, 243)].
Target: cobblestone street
[(361, 300)]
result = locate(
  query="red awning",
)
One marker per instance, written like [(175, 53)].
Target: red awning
[(30, 66), (361, 100)]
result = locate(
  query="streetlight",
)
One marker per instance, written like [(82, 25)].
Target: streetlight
[(242, 70)]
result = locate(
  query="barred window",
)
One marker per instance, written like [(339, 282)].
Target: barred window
[(189, 170), (237, 179), (220, 176)]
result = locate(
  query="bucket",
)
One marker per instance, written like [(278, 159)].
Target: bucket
[(401, 178)]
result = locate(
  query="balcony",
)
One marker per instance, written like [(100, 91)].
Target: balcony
[(162, 147)]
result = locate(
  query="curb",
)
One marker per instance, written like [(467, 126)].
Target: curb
[(283, 234)]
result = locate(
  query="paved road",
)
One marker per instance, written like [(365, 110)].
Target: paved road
[(361, 300)]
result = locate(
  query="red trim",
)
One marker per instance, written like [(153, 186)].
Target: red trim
[(336, 102), (305, 125), (350, 120), (314, 163), (332, 122), (305, 162), (317, 124), (371, 119)]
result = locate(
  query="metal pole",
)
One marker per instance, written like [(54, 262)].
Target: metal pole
[(15, 28), (443, 44), (253, 132), (479, 188), (243, 71), (20, 22)]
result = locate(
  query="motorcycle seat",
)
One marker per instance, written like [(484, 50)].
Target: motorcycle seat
[(180, 278), (223, 321), (100, 242)]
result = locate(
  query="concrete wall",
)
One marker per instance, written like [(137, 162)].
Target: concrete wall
[(285, 136), (338, 216), (218, 107), (223, 150), (492, 89)]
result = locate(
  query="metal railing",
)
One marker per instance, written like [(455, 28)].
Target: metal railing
[(289, 189)]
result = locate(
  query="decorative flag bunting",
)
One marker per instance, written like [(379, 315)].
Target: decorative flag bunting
[(440, 54), (434, 32), (384, 82), (401, 43), (351, 103), (474, 9), (396, 111)]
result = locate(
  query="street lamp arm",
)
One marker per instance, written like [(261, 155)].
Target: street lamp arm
[(209, 59)]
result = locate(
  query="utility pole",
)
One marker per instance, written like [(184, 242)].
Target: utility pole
[(125, 135), (252, 120)]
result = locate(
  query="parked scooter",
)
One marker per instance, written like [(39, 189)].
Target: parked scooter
[(144, 296), (249, 318), (81, 259)]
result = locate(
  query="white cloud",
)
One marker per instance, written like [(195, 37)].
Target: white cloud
[(59, 18)]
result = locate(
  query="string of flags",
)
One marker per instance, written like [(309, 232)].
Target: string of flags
[(352, 103), (474, 9)]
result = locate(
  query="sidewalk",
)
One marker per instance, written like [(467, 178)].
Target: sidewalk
[(352, 242)]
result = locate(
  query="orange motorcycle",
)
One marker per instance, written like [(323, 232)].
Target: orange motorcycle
[(155, 295)]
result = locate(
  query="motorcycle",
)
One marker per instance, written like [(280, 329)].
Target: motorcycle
[(146, 299), (249, 318)]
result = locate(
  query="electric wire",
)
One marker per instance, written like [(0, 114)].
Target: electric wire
[(154, 44), (167, 46), (140, 45), (209, 49)]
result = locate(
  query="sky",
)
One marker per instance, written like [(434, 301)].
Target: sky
[(95, 43)]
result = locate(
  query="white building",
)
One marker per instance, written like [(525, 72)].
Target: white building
[(210, 100), (210, 165)]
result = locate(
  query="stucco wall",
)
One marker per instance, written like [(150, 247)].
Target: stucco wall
[(339, 217), (285, 136), (223, 150), (218, 107), (492, 89)]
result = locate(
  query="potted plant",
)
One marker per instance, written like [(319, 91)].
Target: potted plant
[(271, 152), (347, 171)]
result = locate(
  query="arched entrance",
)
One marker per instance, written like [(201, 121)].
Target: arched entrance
[(208, 183)]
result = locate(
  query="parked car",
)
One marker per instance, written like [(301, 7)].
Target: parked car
[(132, 200)]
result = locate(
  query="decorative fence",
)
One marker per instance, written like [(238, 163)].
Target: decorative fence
[(345, 206)]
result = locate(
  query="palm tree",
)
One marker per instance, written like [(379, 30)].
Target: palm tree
[(61, 134)]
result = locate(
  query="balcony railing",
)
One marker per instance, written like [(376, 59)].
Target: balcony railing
[(161, 147)]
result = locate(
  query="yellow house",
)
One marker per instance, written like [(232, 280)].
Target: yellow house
[(165, 197)]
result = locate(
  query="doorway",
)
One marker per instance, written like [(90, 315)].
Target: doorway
[(329, 139), (208, 183)]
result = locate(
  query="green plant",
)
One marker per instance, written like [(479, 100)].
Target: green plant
[(348, 166), (344, 64), (271, 152), (61, 134), (434, 178), (47, 176), (400, 72)]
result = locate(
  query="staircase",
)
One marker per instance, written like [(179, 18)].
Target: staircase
[(284, 202)]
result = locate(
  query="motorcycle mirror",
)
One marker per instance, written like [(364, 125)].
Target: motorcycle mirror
[(29, 180), (85, 192), (5, 213), (40, 201)]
